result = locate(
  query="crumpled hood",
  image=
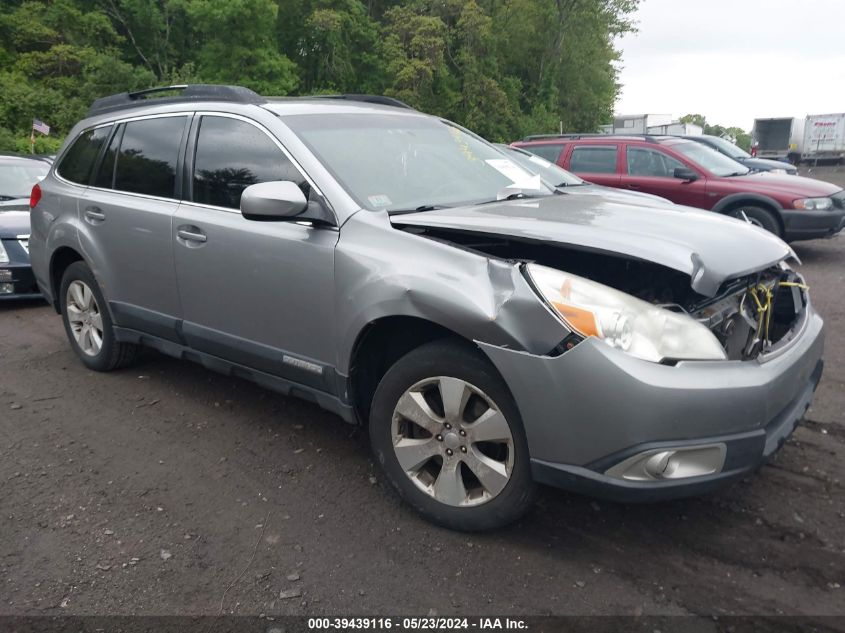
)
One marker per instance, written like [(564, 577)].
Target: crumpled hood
[(14, 223), (710, 248)]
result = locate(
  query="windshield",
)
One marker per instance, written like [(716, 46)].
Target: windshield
[(711, 160), (18, 177), (549, 172), (405, 163), (728, 148)]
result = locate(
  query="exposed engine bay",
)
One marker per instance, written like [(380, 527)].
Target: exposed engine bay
[(751, 315)]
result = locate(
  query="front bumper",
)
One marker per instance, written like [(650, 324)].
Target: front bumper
[(594, 407), (811, 225), (16, 278)]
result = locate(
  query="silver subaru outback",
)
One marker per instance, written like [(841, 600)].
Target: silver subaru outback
[(492, 330)]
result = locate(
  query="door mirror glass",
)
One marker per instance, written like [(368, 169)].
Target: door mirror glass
[(277, 199), (685, 173)]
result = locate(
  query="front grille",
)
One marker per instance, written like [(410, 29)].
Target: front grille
[(839, 199)]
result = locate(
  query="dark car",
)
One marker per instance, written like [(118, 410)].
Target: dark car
[(18, 174), (724, 146), (692, 174)]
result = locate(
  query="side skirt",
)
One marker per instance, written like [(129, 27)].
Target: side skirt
[(273, 383)]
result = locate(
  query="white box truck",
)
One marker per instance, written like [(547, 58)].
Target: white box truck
[(638, 123), (824, 137), (779, 138), (676, 129)]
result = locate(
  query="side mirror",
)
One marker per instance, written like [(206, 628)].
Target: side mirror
[(278, 200), (685, 173)]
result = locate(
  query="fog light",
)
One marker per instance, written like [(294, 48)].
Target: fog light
[(5, 275), (7, 289), (671, 463)]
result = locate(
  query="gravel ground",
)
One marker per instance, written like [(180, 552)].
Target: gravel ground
[(167, 489)]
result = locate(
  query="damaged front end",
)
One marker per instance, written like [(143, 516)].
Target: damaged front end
[(751, 316), (757, 315)]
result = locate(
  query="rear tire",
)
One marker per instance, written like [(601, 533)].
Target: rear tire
[(88, 323), (460, 459), (760, 217)]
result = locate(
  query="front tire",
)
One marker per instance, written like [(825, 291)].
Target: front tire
[(759, 217), (448, 436), (88, 323)]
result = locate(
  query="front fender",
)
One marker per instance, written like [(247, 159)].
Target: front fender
[(381, 271)]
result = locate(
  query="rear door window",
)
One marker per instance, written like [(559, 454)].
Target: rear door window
[(146, 161), (78, 161), (549, 151), (230, 156), (598, 159)]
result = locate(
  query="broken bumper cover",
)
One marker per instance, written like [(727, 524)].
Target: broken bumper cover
[(594, 407)]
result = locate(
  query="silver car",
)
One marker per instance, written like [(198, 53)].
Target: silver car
[(490, 331)]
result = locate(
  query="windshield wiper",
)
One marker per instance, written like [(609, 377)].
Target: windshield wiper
[(422, 207), (738, 173)]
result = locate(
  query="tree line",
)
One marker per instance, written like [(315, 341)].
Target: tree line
[(503, 68)]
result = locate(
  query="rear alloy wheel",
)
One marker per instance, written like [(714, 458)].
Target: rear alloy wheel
[(84, 318), (758, 216), (448, 436), (88, 323)]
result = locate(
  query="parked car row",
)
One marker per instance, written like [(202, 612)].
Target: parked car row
[(493, 320), (691, 173)]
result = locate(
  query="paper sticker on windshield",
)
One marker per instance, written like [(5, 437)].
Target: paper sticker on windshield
[(507, 168), (380, 200)]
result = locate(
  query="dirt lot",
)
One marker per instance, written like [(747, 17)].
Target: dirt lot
[(167, 489)]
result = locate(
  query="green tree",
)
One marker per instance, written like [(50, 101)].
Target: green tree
[(502, 67), (236, 43)]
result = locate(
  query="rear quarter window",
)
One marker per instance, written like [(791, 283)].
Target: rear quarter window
[(78, 162), (599, 159)]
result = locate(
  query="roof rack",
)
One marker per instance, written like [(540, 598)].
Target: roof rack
[(185, 93), (651, 138), (376, 99)]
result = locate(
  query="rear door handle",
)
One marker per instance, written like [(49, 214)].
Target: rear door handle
[(94, 215), (634, 187), (191, 234)]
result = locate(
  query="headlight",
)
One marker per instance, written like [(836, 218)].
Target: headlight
[(813, 204), (622, 321), (4, 256)]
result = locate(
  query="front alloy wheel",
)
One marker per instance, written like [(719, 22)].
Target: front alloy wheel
[(449, 438), (452, 441)]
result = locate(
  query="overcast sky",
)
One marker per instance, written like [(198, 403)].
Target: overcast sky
[(735, 60)]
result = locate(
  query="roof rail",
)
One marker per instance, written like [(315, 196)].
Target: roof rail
[(376, 99), (186, 93)]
